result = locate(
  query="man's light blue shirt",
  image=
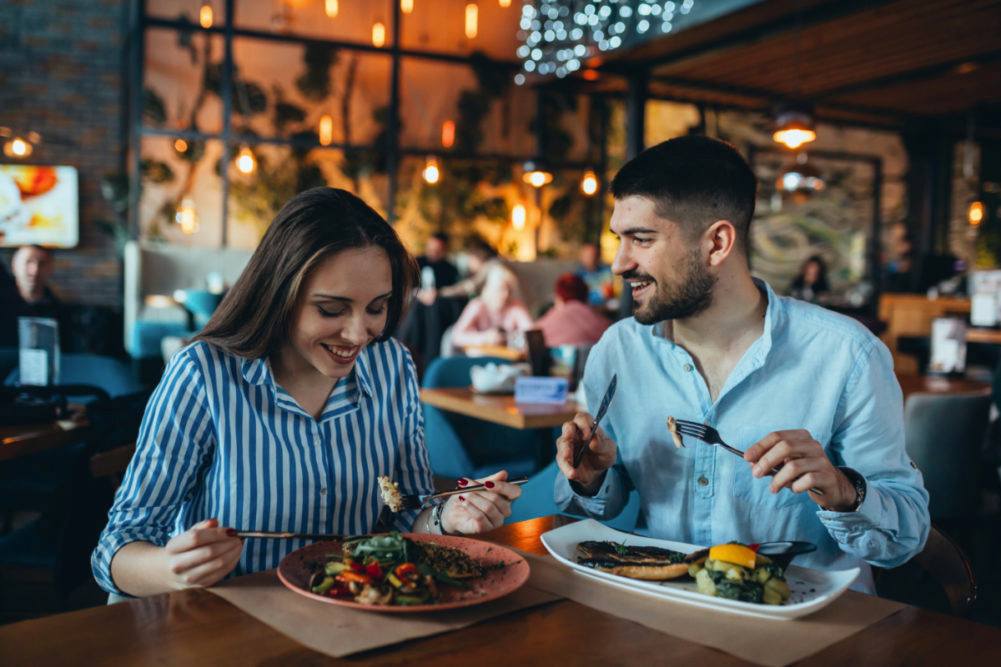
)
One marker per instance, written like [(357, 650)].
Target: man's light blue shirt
[(812, 369)]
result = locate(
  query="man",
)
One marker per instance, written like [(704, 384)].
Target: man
[(793, 385), (571, 321), (436, 270), (30, 294), (597, 276)]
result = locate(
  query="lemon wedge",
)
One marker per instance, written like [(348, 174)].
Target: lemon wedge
[(737, 554)]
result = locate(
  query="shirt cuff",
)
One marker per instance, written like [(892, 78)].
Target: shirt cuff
[(109, 545), (868, 515), (593, 505)]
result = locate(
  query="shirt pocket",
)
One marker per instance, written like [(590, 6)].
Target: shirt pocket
[(741, 483)]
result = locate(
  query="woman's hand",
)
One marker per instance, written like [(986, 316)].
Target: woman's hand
[(202, 555), (480, 511)]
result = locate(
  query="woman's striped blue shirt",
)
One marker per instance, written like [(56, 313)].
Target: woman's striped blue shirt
[(221, 439)]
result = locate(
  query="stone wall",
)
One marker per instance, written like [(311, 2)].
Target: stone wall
[(61, 76)]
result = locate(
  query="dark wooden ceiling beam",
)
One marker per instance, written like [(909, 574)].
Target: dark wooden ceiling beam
[(918, 74), (795, 20)]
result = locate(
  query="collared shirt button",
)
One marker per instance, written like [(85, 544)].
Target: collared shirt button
[(323, 491), (703, 481), (688, 368)]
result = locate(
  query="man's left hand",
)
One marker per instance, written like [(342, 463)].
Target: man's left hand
[(803, 465)]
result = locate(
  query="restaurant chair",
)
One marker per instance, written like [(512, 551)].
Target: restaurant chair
[(461, 446), (939, 578), (536, 500), (945, 436)]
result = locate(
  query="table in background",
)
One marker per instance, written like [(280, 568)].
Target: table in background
[(933, 384), (18, 441), (196, 627), (983, 335), (499, 409)]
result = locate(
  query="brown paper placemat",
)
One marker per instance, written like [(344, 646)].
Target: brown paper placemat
[(757, 640), (339, 631)]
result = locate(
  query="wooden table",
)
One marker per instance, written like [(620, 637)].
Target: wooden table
[(499, 351), (931, 384), (983, 335), (17, 441), (195, 627), (499, 409)]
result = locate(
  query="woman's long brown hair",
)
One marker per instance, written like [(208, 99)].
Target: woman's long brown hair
[(254, 318)]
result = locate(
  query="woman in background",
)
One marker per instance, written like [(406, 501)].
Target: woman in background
[(283, 413), (571, 321), (811, 283), (496, 314)]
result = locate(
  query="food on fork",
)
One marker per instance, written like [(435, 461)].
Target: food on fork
[(390, 492), (672, 426)]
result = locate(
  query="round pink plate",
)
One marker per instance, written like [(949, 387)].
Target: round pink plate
[(295, 569)]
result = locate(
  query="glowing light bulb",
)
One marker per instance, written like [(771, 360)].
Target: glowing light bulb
[(186, 216), (331, 7), (245, 161), (975, 213), (180, 145), (518, 216), (378, 34), (205, 15), (18, 147), (793, 138), (504, 3), (432, 172), (589, 183), (407, 6), (472, 20), (325, 130), (448, 134)]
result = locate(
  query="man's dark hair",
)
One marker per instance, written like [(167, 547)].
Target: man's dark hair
[(693, 181), (441, 236)]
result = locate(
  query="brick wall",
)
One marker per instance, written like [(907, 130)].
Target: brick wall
[(60, 75)]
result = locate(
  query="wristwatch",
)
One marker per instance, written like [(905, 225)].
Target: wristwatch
[(858, 481)]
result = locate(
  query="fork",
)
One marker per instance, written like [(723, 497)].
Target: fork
[(420, 501), (710, 436)]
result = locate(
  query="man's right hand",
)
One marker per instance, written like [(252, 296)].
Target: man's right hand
[(598, 457)]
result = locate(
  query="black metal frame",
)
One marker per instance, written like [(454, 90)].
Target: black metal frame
[(876, 226), (140, 22)]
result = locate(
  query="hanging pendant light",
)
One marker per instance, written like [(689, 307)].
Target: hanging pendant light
[(407, 6), (181, 146), (325, 130), (18, 147), (432, 171), (205, 15), (794, 126), (975, 213), (800, 179), (331, 7), (537, 173), (589, 183), (378, 34), (504, 3), (246, 163), (472, 20)]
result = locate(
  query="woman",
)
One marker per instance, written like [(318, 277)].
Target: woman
[(811, 282), (283, 413), (494, 315)]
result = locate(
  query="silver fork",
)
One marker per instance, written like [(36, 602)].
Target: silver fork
[(710, 436)]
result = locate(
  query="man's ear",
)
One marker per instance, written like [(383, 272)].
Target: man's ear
[(721, 239)]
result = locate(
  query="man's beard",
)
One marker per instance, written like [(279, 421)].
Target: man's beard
[(689, 298)]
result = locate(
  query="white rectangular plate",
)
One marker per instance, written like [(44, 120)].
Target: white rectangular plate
[(811, 589)]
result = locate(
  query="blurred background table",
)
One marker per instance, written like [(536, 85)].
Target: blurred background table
[(499, 409)]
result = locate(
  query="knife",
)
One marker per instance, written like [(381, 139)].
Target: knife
[(602, 409)]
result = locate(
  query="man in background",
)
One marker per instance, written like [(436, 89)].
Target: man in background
[(436, 270), (29, 293), (598, 276)]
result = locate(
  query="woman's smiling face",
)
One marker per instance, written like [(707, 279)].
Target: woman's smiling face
[(342, 307)]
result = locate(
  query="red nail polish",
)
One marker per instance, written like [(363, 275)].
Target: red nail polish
[(231, 532), (462, 481), (489, 485), (462, 498)]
